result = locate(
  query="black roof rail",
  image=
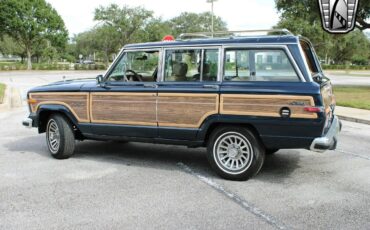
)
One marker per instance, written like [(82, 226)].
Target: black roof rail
[(231, 34)]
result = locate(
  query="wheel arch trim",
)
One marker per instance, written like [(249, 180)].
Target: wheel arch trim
[(54, 108)]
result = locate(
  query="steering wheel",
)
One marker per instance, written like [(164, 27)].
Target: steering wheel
[(135, 76)]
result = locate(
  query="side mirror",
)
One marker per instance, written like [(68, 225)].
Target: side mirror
[(99, 80), (318, 77)]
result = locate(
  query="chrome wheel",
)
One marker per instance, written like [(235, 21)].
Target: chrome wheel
[(53, 136), (233, 153)]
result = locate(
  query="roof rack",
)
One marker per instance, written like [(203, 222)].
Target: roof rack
[(231, 34)]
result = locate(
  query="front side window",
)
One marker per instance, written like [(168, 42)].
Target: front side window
[(191, 65), (258, 65), (136, 66)]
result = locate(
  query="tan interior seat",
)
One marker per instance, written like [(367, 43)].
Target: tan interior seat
[(179, 71)]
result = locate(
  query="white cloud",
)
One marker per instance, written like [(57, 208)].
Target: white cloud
[(239, 14)]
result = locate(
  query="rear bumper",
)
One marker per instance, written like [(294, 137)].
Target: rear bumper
[(329, 141)]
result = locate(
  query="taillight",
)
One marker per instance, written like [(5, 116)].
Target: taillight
[(312, 109)]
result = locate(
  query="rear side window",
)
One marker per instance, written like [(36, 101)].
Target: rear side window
[(184, 65), (258, 65)]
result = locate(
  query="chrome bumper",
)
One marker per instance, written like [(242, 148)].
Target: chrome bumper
[(329, 141), (27, 122)]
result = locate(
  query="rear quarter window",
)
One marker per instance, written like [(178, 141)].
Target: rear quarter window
[(259, 65)]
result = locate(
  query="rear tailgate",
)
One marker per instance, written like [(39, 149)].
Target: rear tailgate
[(327, 96)]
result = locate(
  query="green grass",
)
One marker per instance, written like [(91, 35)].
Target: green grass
[(345, 73), (2, 92), (351, 96)]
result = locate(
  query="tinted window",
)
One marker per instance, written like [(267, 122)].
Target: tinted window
[(258, 65)]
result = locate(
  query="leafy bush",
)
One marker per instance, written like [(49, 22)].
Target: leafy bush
[(2, 92), (6, 66), (12, 66), (360, 60)]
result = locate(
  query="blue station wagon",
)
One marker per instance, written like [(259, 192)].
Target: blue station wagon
[(240, 96)]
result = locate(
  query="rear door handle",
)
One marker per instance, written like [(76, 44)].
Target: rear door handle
[(150, 86), (211, 86)]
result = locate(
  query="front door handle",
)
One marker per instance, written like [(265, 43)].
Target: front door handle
[(211, 86), (150, 86)]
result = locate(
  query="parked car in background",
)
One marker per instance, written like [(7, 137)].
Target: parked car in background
[(88, 62), (241, 97)]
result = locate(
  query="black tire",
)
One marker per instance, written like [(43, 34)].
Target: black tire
[(271, 151), (66, 137), (249, 147)]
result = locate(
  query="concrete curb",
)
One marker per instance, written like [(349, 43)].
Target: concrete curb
[(12, 99), (352, 119), (7, 99)]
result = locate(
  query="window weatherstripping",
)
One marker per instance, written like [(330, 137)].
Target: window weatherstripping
[(259, 46), (202, 59)]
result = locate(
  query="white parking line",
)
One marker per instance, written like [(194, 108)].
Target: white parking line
[(235, 198), (353, 154)]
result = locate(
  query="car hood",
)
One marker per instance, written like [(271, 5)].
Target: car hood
[(65, 86)]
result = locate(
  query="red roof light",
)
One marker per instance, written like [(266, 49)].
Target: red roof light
[(168, 38)]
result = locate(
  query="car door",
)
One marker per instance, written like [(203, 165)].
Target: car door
[(188, 93), (125, 104)]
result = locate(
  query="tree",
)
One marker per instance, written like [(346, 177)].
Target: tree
[(85, 43), (10, 47), (106, 41), (118, 26), (31, 23), (126, 21), (70, 54), (191, 22), (102, 40), (295, 8), (303, 18), (155, 30)]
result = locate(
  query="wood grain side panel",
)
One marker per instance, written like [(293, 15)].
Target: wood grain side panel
[(266, 105), (124, 108), (77, 103), (185, 110)]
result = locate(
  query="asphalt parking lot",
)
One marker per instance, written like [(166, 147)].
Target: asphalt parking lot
[(109, 185)]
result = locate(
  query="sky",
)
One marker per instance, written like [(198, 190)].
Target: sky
[(239, 14)]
